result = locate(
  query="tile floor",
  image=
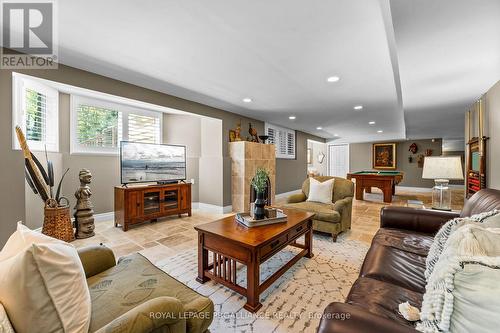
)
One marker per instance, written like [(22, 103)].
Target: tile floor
[(170, 235)]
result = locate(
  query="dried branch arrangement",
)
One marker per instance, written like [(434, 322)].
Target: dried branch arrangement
[(41, 181)]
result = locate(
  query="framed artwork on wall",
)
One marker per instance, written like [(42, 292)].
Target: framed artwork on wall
[(384, 156)]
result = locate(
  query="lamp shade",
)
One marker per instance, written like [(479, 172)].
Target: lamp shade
[(443, 167)]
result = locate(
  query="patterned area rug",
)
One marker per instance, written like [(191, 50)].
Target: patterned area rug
[(294, 302)]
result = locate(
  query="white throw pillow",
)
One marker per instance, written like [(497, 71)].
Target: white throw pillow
[(43, 285), (320, 191), (20, 239), (463, 281), (490, 219)]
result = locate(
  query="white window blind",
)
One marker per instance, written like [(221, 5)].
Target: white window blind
[(142, 128), (283, 139), (36, 111), (98, 126)]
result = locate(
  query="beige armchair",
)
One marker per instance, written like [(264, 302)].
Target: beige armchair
[(333, 217), (134, 296)]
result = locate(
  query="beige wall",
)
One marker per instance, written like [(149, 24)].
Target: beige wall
[(185, 130), (290, 174), (13, 195), (177, 129), (12, 191), (360, 158), (492, 120)]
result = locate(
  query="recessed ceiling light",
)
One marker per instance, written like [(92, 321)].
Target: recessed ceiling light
[(358, 107), (380, 131), (292, 117), (371, 123), (333, 79), (319, 128), (335, 134), (247, 100)]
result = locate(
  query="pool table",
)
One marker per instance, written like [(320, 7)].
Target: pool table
[(384, 180)]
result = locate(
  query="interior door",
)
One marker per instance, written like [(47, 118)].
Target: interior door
[(338, 160)]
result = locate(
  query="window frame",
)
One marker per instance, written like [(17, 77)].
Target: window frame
[(124, 109), (19, 85), (284, 137)]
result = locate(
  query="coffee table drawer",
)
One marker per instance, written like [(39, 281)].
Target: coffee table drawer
[(274, 245), (300, 229)]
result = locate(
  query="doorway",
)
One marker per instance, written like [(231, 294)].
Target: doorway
[(338, 160)]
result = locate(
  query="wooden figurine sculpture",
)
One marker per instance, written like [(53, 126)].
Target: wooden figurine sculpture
[(84, 213), (237, 132), (253, 133)]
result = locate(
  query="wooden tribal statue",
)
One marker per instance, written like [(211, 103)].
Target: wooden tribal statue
[(84, 213)]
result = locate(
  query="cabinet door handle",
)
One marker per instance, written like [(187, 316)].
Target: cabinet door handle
[(299, 228)]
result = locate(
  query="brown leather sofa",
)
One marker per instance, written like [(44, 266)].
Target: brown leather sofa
[(393, 270)]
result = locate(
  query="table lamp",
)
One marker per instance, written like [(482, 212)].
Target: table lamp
[(442, 169)]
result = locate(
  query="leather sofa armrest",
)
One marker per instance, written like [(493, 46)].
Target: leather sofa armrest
[(295, 198), (150, 316), (340, 204), (421, 220), (347, 318), (96, 259)]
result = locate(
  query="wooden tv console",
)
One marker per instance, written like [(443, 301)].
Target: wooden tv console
[(137, 204)]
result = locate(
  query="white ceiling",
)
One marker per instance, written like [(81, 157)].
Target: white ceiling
[(280, 53), (449, 55)]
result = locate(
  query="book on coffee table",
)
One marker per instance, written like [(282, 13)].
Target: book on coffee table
[(247, 220)]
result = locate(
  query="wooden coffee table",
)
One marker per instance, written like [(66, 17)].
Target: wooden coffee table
[(230, 242)]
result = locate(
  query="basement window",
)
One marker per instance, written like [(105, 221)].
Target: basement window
[(98, 126), (36, 111), (284, 140)]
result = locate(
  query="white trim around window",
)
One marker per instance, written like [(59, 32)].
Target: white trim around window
[(112, 147), (44, 121), (284, 139)]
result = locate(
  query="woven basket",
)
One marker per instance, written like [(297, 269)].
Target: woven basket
[(57, 223)]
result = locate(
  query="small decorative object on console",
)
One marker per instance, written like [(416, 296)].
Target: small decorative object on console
[(84, 214), (232, 136), (259, 183), (271, 212), (253, 133), (264, 138)]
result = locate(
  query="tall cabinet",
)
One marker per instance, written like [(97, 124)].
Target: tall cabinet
[(137, 204), (476, 148)]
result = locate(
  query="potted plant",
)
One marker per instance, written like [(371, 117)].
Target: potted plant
[(259, 183)]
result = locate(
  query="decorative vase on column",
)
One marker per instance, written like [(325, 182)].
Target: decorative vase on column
[(259, 183), (259, 211)]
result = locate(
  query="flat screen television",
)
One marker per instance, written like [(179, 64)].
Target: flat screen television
[(146, 162)]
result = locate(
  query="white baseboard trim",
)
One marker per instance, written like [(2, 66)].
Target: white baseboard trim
[(286, 194), (109, 216), (211, 208)]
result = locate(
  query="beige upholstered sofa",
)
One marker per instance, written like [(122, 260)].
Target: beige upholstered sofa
[(134, 296), (333, 217)]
